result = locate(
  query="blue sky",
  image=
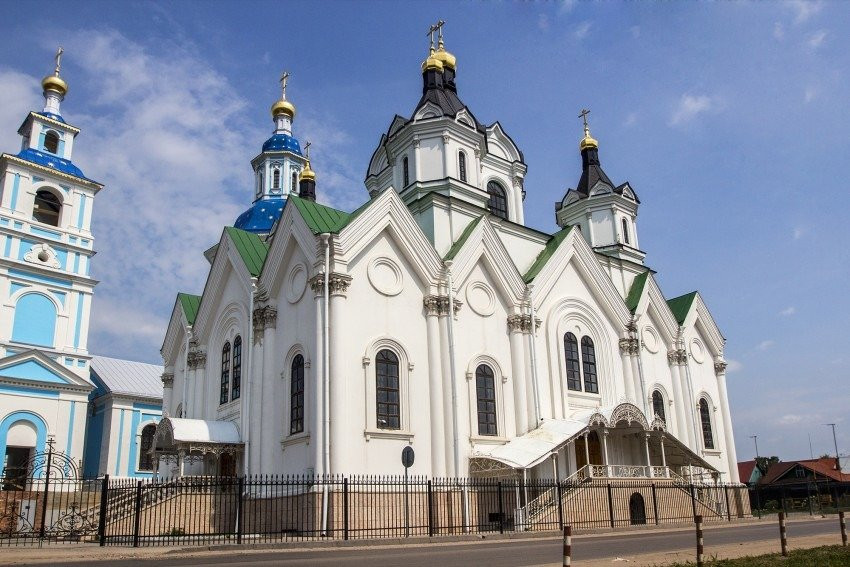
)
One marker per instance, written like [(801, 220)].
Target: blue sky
[(729, 119)]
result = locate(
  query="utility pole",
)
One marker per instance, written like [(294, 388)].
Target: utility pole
[(756, 439), (835, 441)]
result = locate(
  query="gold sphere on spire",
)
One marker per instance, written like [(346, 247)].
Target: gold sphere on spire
[(307, 173), (447, 59), (432, 62), (283, 107), (587, 141), (54, 83)]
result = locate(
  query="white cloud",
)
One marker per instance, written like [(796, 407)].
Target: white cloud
[(631, 119), (543, 22), (804, 9), (21, 93), (764, 345), (690, 106), (798, 232), (788, 311), (733, 365), (816, 39), (790, 419), (778, 31), (582, 30), (566, 6), (635, 31), (810, 94)]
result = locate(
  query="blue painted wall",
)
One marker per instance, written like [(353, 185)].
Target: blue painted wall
[(28, 416), (35, 320)]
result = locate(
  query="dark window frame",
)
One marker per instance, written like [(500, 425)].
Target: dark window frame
[(236, 380), (276, 178), (405, 171), (705, 420), (294, 188), (145, 445), (573, 362), (224, 393), (296, 395), (485, 396), (658, 405), (387, 390), (498, 203), (47, 207), (625, 224), (51, 142), (461, 165), (588, 360)]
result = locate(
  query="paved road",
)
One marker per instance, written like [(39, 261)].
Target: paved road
[(492, 554)]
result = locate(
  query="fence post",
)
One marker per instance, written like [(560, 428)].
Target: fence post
[(430, 510), (46, 489), (758, 501), (783, 537), (654, 504), (240, 518), (560, 505), (568, 545), (843, 525), (728, 510), (611, 504), (700, 550), (138, 516), (501, 509), (345, 508), (693, 500), (101, 523)]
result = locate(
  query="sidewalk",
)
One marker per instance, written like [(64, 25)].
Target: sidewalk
[(91, 552)]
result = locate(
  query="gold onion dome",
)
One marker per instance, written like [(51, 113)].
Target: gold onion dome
[(283, 106), (54, 83), (587, 141), (307, 173), (447, 59), (432, 62)]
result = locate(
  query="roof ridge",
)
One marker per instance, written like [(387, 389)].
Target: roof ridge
[(464, 236), (548, 250)]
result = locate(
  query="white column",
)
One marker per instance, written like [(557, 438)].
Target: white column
[(447, 389), (731, 454), (664, 458), (199, 381), (648, 460), (252, 386), (682, 428), (587, 454), (338, 385), (628, 377), (315, 392), (640, 393), (518, 370), (435, 390), (605, 449), (266, 444)]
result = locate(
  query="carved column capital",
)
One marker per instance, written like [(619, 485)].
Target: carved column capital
[(265, 317), (431, 303), (677, 356), (522, 323), (624, 345), (196, 359), (515, 323), (167, 380), (720, 367), (337, 283)]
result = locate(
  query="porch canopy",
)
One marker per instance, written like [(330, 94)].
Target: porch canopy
[(187, 437), (535, 446)]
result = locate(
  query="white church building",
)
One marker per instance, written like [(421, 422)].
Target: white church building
[(325, 342)]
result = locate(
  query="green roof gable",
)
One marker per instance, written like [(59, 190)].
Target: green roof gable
[(636, 291), (464, 236), (680, 306), (546, 253), (251, 249), (321, 218), (190, 304)]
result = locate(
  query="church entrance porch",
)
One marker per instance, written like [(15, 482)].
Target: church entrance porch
[(195, 447)]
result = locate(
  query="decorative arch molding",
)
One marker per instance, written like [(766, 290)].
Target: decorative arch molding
[(405, 369), (668, 400), (480, 359), (629, 413), (295, 350), (27, 416), (500, 381)]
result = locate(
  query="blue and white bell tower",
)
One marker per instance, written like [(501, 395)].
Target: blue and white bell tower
[(46, 246), (276, 169)]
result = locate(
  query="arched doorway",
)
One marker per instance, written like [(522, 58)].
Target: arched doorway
[(594, 448), (637, 510), (227, 465)]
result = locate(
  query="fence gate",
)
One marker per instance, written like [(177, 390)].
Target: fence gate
[(43, 499)]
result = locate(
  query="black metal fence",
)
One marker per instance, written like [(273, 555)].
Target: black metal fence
[(808, 497), (205, 510)]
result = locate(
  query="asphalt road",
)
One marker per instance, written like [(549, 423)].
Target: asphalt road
[(502, 553)]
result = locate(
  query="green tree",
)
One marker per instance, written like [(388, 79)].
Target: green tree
[(764, 463)]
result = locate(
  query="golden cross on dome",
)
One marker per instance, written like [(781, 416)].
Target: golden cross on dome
[(283, 80), (583, 115), (307, 145), (435, 27), (58, 58)]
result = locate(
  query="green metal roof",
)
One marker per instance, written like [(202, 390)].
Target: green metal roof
[(680, 306), (251, 248), (464, 236), (321, 218), (190, 304), (636, 291), (546, 253)]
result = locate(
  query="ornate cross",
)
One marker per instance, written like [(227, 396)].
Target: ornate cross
[(307, 149), (435, 27), (283, 80), (583, 115), (58, 58)]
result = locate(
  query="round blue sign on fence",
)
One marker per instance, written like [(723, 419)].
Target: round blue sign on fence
[(407, 456)]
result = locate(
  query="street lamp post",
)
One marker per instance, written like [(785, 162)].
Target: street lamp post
[(835, 441), (755, 438)]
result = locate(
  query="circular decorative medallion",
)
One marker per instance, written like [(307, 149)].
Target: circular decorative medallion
[(697, 351), (296, 283), (481, 298), (385, 276), (650, 339)]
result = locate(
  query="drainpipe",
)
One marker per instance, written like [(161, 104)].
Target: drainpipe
[(246, 399), (690, 406), (534, 383), (326, 420), (455, 433)]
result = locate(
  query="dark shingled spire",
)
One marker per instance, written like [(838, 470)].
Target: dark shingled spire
[(591, 170)]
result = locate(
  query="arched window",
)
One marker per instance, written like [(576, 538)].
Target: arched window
[(498, 203), (294, 188), (387, 390), (237, 368), (259, 183), (658, 405), (276, 178), (461, 165), (225, 374), (145, 445), (705, 418), (625, 231), (46, 207), (51, 142), (485, 390), (588, 358), (296, 395), (405, 172), (573, 367)]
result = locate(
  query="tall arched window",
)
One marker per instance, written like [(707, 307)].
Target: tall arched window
[(259, 183), (237, 368), (498, 203), (658, 405), (573, 366), (588, 358), (387, 390), (51, 142), (225, 374), (485, 390), (296, 395), (294, 187), (46, 207), (145, 445), (276, 178), (405, 172), (461, 165), (625, 231), (705, 418)]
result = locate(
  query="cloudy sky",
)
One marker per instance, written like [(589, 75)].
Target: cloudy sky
[(729, 119)]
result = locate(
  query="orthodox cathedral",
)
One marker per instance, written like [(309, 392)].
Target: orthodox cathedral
[(325, 341)]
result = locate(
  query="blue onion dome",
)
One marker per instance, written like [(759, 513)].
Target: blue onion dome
[(261, 216), (282, 143)]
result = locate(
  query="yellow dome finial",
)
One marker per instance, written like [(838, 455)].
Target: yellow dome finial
[(447, 59), (307, 172), (54, 82), (283, 106), (432, 61), (587, 141)]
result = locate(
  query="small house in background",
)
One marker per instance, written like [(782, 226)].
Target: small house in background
[(749, 473), (124, 409), (803, 485)]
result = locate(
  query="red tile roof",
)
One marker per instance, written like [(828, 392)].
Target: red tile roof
[(745, 470), (823, 467)]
